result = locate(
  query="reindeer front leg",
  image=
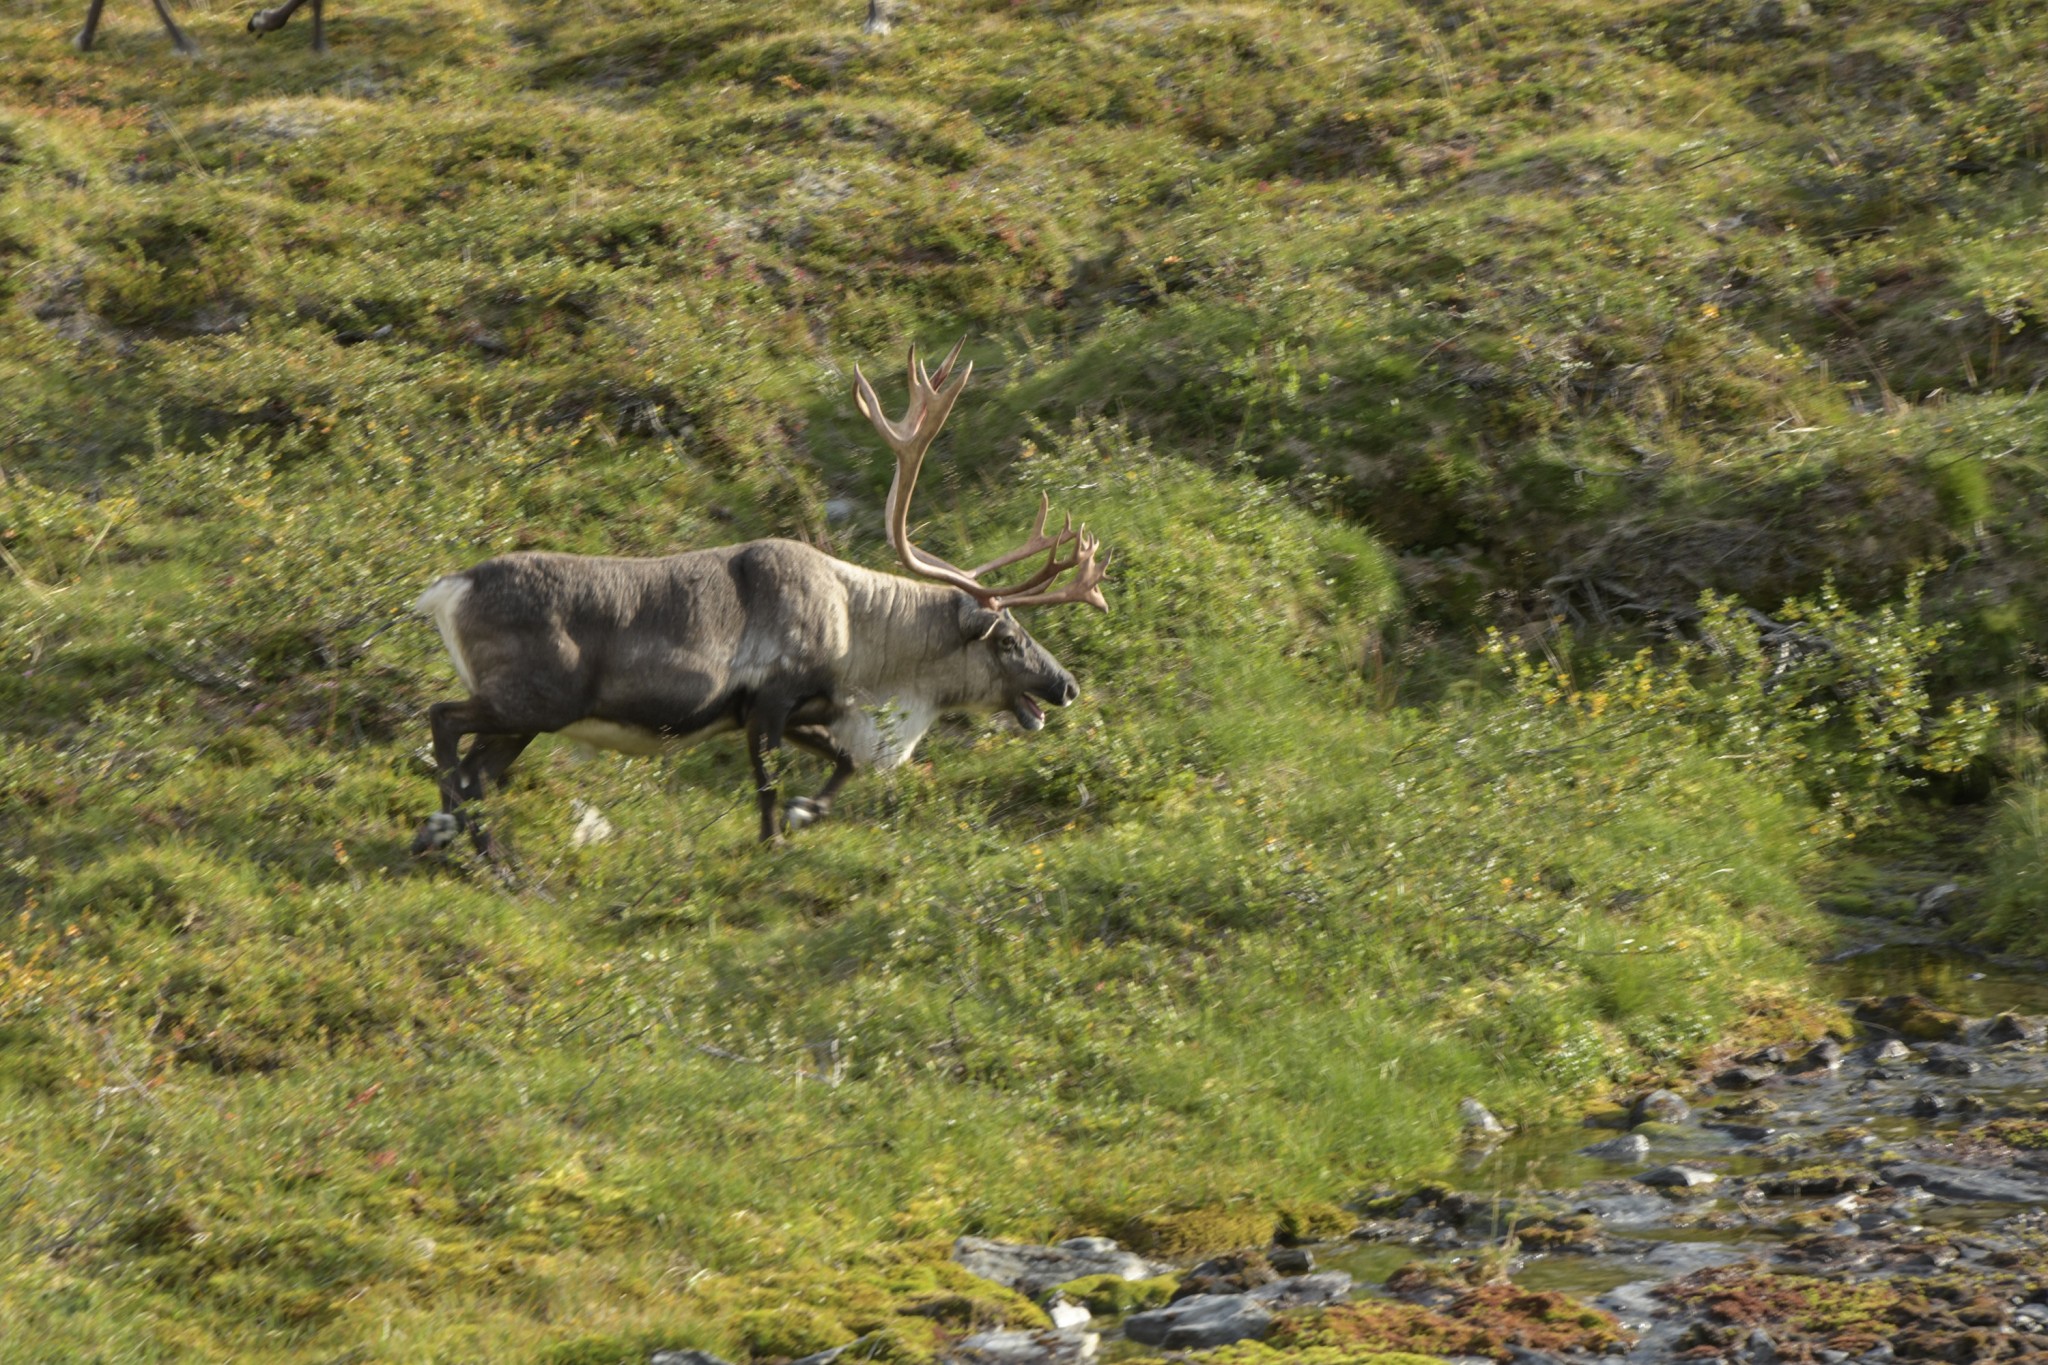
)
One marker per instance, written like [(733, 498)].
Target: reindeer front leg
[(768, 718), (808, 810), (759, 743)]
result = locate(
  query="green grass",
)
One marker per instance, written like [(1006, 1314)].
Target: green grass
[(1225, 932), (2013, 913), (1354, 329)]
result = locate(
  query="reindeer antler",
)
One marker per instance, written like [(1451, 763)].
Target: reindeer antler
[(931, 399)]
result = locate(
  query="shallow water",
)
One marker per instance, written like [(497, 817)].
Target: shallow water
[(1954, 980), (1838, 1120), (1549, 1160)]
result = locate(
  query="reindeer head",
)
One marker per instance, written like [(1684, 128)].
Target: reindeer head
[(1022, 671)]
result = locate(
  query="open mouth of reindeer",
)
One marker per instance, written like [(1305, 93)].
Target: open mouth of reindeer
[(1029, 713)]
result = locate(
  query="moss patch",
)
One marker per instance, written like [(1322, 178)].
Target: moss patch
[(1115, 1296), (1311, 1221), (2028, 1135), (1197, 1232), (1487, 1321), (790, 1330), (1842, 1315), (1817, 1180), (1913, 1018), (1259, 1353)]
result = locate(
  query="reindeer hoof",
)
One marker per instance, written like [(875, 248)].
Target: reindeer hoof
[(435, 835), (265, 21), (801, 811)]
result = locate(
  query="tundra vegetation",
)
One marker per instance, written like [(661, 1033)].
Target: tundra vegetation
[(1575, 470)]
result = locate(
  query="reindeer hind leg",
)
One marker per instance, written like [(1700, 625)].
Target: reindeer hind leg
[(450, 721), (178, 38), (482, 770), (83, 42), (484, 767)]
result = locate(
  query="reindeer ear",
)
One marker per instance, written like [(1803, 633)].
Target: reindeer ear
[(978, 622)]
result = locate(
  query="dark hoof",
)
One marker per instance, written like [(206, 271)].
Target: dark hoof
[(265, 21), (801, 811)]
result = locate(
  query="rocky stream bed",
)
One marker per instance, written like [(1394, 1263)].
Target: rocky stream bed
[(1882, 1197)]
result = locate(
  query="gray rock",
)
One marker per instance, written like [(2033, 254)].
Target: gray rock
[(2013, 1028), (1675, 1177), (1741, 1132), (1023, 1348), (1636, 1303), (591, 826), (1628, 1147), (1934, 899), (1743, 1077), (1824, 1055), (1890, 1050), (1660, 1106), (1761, 1350), (1657, 1130), (1951, 1063), (824, 1357), (1065, 1314), (1232, 1273), (1197, 1323), (1479, 1120), (1303, 1291), (1966, 1186), (1032, 1269), (684, 1357), (1626, 1210), (1291, 1260)]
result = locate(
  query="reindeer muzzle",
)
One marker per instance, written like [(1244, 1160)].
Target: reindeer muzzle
[(1062, 691)]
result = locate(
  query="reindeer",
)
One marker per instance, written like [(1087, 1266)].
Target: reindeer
[(772, 637), (261, 22)]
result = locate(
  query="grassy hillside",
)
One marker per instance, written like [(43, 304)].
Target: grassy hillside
[(1357, 329)]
